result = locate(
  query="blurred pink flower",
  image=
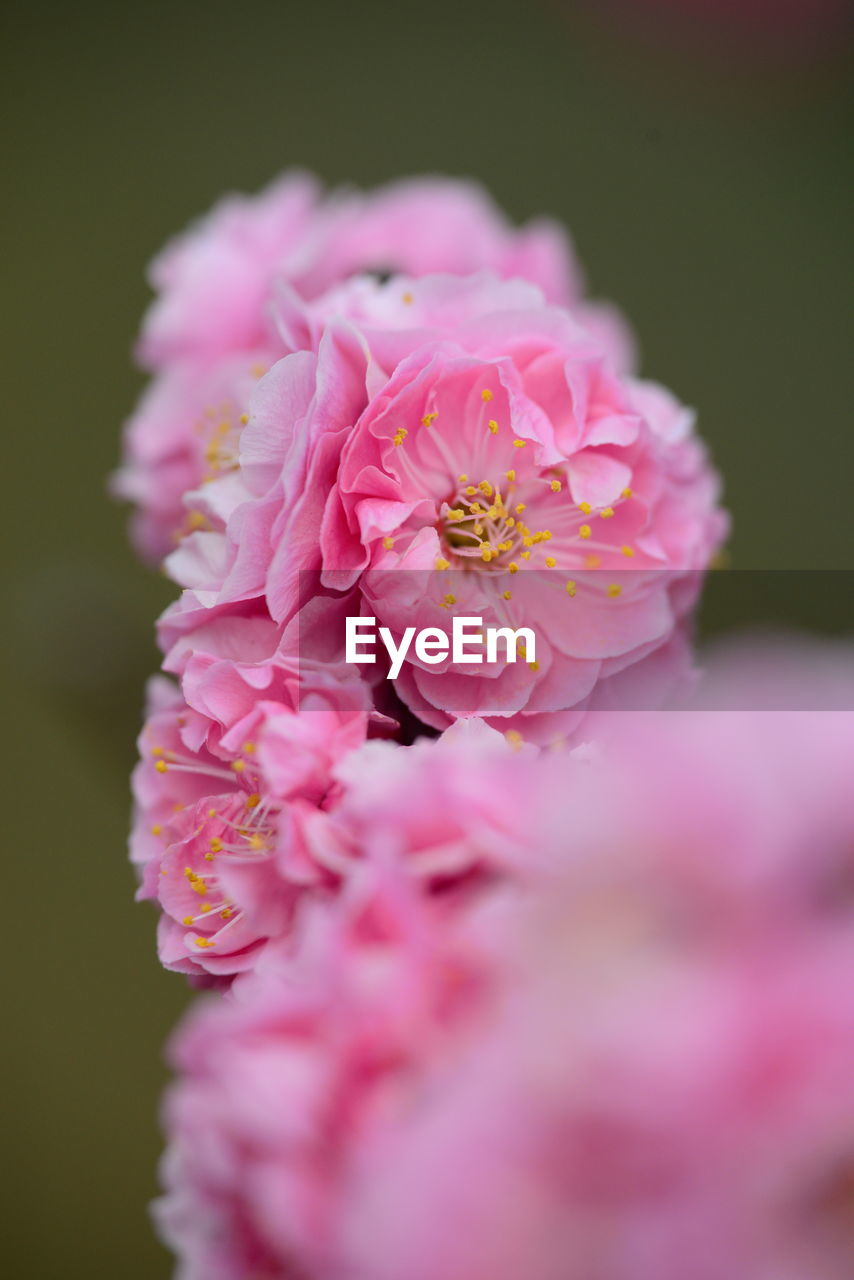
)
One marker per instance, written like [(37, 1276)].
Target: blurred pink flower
[(462, 425), (210, 328), (632, 1047)]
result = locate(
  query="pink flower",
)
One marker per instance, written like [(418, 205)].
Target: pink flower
[(215, 789), (462, 426), (210, 326), (629, 1047), (281, 1082)]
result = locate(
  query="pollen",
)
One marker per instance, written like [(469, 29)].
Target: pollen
[(585, 531), (519, 508), (407, 299), (492, 426), (627, 493), (513, 567), (519, 444), (585, 507), (429, 419), (555, 486), (244, 418), (249, 747), (486, 395), (450, 598), (442, 563), (216, 845), (606, 513), (507, 595), (456, 513), (160, 766), (550, 562), (156, 829), (571, 588), (627, 551), (511, 475), (204, 942), (514, 739), (614, 590), (388, 543), (238, 765)]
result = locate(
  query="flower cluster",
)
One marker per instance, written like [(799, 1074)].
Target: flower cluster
[(503, 985)]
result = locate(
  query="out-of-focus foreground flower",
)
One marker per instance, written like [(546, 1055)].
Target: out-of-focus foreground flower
[(628, 1053)]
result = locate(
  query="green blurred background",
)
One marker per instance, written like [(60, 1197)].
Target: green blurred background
[(709, 194)]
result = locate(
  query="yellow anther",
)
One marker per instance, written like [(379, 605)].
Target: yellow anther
[(606, 513), (407, 299), (555, 486), (585, 531), (256, 842), (485, 488), (203, 942), (476, 509), (216, 845), (519, 508), (546, 535), (388, 543), (479, 529), (486, 554), (511, 523), (486, 395), (248, 748), (450, 598), (571, 588), (627, 551), (206, 908), (535, 666), (456, 513), (257, 369), (492, 426), (491, 512), (526, 555), (507, 595), (244, 418), (462, 478), (160, 766), (187, 920), (196, 520), (514, 738), (614, 589), (513, 567), (585, 507), (511, 475), (156, 829), (209, 857), (429, 419), (442, 563), (627, 493), (519, 444), (238, 765), (157, 751), (471, 491), (550, 562), (211, 813), (505, 546), (528, 541), (226, 913), (592, 562), (199, 886)]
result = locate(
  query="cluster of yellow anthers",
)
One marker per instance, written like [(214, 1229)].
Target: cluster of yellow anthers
[(480, 523), (249, 837)]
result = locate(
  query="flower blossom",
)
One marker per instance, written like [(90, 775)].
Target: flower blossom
[(582, 1070), (209, 332), (457, 447)]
